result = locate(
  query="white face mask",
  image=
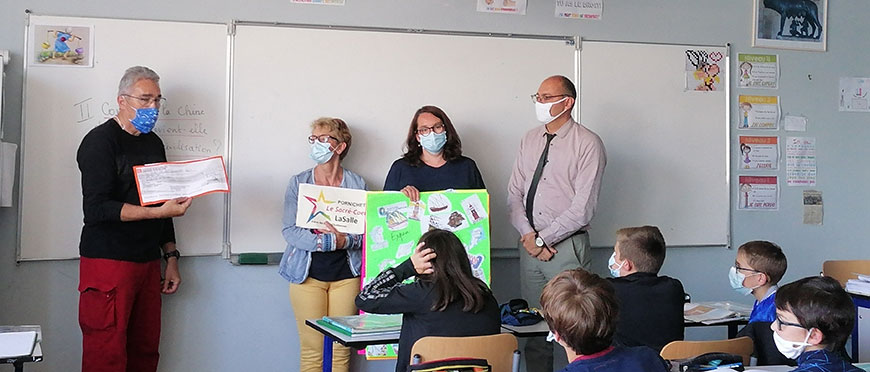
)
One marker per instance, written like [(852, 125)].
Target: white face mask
[(542, 111), (614, 272), (736, 278), (551, 336), (790, 349)]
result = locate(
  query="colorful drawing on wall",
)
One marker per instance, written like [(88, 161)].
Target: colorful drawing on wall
[(790, 24), (394, 225), (59, 45), (702, 70), (502, 6)]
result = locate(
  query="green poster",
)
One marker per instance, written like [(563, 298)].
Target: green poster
[(394, 225)]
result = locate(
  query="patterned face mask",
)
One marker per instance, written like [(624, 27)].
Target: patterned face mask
[(145, 119)]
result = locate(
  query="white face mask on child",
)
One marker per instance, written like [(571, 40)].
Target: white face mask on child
[(790, 349)]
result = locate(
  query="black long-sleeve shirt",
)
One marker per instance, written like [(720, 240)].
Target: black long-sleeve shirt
[(387, 295), (106, 158)]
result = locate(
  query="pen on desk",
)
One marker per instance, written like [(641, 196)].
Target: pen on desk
[(711, 368)]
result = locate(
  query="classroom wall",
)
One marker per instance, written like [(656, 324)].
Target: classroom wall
[(238, 318)]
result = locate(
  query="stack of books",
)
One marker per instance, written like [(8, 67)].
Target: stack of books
[(859, 286), (365, 326)]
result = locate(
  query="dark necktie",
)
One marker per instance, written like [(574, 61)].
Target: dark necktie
[(533, 188)]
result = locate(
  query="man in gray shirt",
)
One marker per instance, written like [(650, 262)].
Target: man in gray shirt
[(552, 195)]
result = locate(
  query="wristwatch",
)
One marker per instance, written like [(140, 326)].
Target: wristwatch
[(174, 253), (538, 241)]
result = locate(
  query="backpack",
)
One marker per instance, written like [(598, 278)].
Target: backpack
[(517, 312)]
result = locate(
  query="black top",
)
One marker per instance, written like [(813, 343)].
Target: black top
[(459, 174), (106, 158), (387, 295), (650, 310), (330, 266)]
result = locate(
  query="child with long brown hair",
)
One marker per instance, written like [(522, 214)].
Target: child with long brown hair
[(445, 300)]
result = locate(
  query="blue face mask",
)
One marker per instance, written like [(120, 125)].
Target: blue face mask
[(611, 262), (320, 152), (433, 142), (736, 278), (145, 119)]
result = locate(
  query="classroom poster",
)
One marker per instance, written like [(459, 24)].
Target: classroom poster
[(853, 94), (800, 161), (758, 193), (579, 9), (814, 209), (62, 45), (759, 152), (702, 70), (502, 6), (758, 71), (343, 208), (394, 225), (758, 112)]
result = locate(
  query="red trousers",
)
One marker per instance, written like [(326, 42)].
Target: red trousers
[(119, 314)]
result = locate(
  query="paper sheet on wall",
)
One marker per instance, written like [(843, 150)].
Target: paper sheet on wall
[(853, 94), (703, 70), (7, 172), (795, 123), (800, 161), (814, 210), (758, 71), (579, 9), (502, 6), (758, 112), (759, 152), (758, 193)]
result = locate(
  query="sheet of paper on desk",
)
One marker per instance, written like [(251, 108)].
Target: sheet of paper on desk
[(160, 182), (17, 344), (714, 312)]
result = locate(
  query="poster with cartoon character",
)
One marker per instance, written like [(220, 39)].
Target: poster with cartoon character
[(394, 225), (62, 45), (702, 70), (759, 152), (758, 112), (758, 71)]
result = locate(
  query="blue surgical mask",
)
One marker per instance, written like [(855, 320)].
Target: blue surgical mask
[(612, 261), (145, 119), (737, 279), (433, 142), (320, 152)]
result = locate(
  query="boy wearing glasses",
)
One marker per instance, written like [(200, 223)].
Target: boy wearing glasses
[(758, 267), (814, 317)]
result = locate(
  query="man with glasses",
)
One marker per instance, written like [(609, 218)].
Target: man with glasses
[(552, 196), (122, 242)]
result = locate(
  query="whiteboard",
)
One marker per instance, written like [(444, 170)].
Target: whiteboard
[(62, 104), (284, 78), (667, 149)]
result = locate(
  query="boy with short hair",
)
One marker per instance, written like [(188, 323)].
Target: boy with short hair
[(757, 269), (651, 305), (581, 310), (814, 317)]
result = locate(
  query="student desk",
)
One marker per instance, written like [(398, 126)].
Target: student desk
[(733, 325), (861, 331), (18, 363), (353, 342)]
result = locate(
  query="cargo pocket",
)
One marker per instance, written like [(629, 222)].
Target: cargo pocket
[(96, 308)]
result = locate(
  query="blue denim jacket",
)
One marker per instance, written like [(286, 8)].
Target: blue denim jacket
[(301, 242)]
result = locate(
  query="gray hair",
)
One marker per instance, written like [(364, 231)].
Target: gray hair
[(134, 74)]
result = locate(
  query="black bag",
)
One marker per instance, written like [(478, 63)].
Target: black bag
[(516, 312), (453, 365), (705, 362)]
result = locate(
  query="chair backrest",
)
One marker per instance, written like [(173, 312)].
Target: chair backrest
[(498, 350), (843, 270), (689, 349)]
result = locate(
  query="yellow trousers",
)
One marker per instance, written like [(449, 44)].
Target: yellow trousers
[(314, 299)]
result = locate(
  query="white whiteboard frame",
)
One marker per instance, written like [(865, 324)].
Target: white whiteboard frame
[(569, 41), (27, 50), (726, 126)]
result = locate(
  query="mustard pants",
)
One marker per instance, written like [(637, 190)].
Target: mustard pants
[(314, 299)]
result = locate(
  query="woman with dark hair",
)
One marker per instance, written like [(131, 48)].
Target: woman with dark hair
[(433, 158), (445, 300)]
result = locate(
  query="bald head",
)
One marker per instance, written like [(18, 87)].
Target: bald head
[(564, 84)]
